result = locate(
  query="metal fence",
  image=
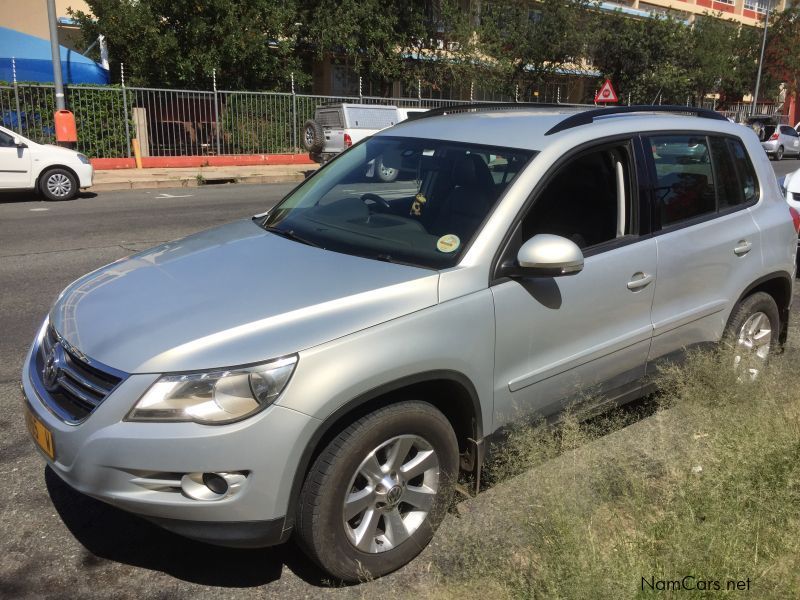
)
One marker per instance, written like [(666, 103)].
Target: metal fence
[(174, 122), (192, 122)]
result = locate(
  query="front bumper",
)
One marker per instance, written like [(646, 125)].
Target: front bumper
[(138, 467), (85, 175)]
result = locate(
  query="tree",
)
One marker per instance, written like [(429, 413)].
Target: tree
[(177, 43), (782, 54), (722, 57), (532, 42), (644, 58)]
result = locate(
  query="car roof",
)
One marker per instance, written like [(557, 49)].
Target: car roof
[(529, 128)]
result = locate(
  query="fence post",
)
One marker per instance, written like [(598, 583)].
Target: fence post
[(125, 108), (471, 90), (419, 92), (558, 94), (516, 93), (216, 110), (16, 93), (360, 91), (294, 115)]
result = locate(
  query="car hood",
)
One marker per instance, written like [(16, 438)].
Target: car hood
[(229, 296)]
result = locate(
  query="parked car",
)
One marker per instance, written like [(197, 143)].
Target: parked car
[(56, 173), (781, 141), (336, 127), (790, 186), (522, 257)]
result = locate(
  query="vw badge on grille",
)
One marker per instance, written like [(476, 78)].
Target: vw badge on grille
[(52, 367)]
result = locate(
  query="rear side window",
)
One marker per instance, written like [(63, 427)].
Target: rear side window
[(747, 184), (729, 188), (684, 181)]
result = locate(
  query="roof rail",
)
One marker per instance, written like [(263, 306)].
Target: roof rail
[(586, 117), (483, 107)]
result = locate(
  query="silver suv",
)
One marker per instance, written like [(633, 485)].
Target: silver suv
[(329, 367)]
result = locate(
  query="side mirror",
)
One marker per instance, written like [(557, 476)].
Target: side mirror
[(546, 255), (19, 143)]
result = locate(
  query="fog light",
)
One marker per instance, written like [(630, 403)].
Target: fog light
[(212, 486), (216, 483)]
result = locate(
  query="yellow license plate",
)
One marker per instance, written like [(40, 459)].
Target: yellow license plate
[(40, 434)]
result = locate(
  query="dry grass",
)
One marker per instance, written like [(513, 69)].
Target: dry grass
[(708, 487)]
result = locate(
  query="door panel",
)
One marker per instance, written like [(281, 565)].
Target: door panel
[(560, 338), (702, 269), (15, 167)]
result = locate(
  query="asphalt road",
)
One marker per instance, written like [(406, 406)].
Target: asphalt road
[(56, 542)]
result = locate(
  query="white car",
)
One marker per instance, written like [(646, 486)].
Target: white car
[(790, 186), (57, 173)]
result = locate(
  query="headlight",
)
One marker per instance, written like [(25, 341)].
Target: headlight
[(83, 158), (216, 396)]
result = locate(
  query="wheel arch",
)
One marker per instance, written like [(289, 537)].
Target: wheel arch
[(461, 406), (47, 168)]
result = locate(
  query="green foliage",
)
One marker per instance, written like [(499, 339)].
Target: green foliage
[(252, 125), (177, 43), (782, 55)]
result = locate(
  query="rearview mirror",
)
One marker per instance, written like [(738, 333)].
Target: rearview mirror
[(546, 255), (19, 143)]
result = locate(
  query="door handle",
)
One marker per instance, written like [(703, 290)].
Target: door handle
[(743, 248), (639, 280)]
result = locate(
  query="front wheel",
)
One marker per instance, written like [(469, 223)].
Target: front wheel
[(375, 495), (58, 184), (752, 332)]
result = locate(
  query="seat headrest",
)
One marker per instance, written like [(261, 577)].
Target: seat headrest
[(471, 171)]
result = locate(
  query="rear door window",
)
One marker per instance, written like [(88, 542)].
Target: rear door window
[(684, 181)]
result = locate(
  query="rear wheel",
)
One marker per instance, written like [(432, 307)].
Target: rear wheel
[(779, 153), (752, 333), (375, 495), (58, 184)]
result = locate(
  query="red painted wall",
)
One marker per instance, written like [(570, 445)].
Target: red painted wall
[(166, 162)]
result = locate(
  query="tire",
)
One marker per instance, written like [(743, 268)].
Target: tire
[(779, 153), (752, 333), (344, 469), (58, 184), (313, 136), (385, 174)]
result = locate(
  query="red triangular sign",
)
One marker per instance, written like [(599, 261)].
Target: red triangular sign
[(606, 93)]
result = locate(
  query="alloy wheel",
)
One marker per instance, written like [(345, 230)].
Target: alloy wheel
[(391, 493), (753, 342)]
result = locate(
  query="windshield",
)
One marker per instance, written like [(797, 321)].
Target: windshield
[(399, 199)]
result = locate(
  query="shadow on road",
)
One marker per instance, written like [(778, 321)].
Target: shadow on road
[(112, 534), (12, 197)]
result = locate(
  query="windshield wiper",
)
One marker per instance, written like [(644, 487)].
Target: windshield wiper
[(291, 235)]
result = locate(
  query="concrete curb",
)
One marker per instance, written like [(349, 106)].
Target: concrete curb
[(190, 182)]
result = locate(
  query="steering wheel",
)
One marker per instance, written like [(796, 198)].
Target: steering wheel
[(370, 198)]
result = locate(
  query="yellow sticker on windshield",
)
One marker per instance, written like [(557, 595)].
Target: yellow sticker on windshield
[(448, 243)]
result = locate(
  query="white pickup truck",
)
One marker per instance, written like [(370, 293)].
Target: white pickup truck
[(336, 127)]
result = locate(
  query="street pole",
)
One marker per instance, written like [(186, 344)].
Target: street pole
[(54, 49), (761, 60)]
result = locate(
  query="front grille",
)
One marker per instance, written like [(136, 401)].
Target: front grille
[(74, 385)]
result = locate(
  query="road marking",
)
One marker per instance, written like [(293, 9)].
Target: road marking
[(39, 209), (163, 196)]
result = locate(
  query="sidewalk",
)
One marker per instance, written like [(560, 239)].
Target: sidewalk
[(131, 179)]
